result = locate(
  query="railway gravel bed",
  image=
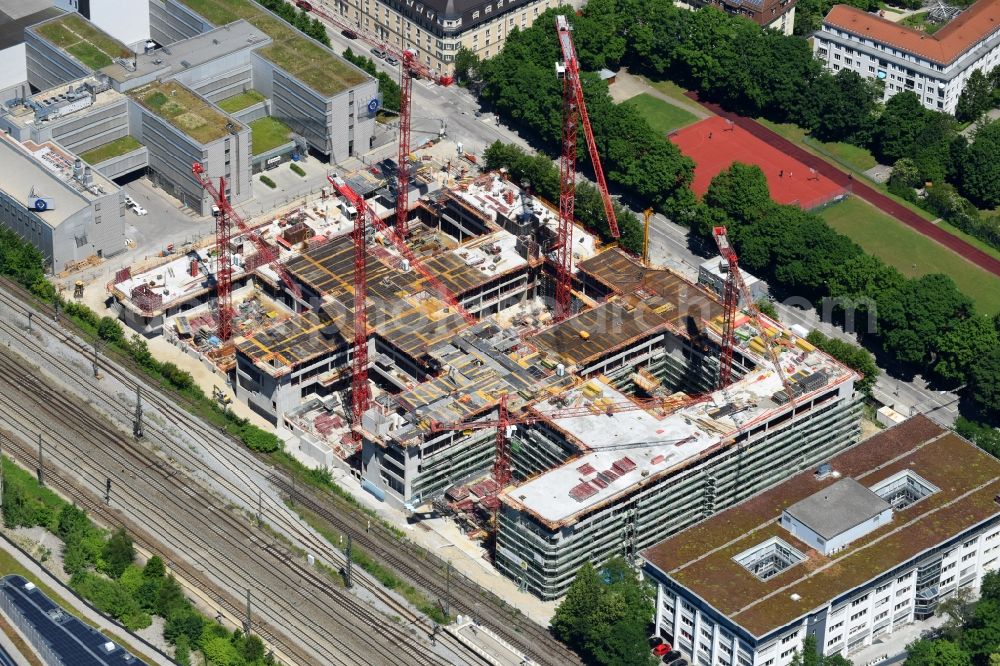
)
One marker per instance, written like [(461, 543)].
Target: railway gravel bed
[(229, 468)]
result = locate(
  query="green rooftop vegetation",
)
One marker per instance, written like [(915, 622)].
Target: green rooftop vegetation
[(241, 101), (115, 148), (83, 40), (701, 557), (303, 58), (267, 134), (184, 110)]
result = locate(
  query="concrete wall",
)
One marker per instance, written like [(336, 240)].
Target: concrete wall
[(124, 164), (170, 22), (221, 78), (172, 152), (86, 129), (47, 65), (13, 68)]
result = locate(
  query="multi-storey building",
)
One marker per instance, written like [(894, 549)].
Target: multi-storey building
[(868, 542), (775, 14), (439, 28), (63, 208), (935, 67)]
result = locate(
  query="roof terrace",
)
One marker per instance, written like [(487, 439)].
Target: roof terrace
[(185, 110), (83, 40)]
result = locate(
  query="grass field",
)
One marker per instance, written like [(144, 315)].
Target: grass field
[(126, 144), (672, 90), (661, 116), (88, 44), (267, 134), (911, 252), (241, 101), (302, 57), (857, 158)]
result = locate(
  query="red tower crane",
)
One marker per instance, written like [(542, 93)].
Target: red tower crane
[(574, 109), (406, 75), (502, 473), (735, 287), (365, 218), (224, 219)]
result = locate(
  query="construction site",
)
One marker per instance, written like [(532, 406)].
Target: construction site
[(467, 350)]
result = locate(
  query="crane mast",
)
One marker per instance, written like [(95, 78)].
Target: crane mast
[(403, 173), (735, 287), (224, 219), (574, 112)]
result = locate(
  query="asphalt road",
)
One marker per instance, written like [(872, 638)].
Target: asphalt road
[(668, 247)]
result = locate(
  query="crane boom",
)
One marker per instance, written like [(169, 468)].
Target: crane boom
[(269, 256), (379, 225), (736, 287), (573, 74)]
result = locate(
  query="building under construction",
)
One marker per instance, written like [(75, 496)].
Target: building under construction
[(616, 436)]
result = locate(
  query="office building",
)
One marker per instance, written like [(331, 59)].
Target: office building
[(849, 551)]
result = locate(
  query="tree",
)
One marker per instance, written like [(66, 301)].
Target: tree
[(990, 586), (960, 349), (976, 97), (741, 192), (767, 308), (897, 128), (154, 568), (109, 330), (958, 610), (985, 384), (118, 553), (844, 106), (905, 174), (466, 65), (571, 621), (854, 357), (926, 652), (981, 170)]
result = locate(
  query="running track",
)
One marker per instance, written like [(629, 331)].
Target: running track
[(869, 194)]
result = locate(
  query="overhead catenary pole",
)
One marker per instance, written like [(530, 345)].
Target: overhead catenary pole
[(347, 576), (247, 623), (137, 421), (41, 462)]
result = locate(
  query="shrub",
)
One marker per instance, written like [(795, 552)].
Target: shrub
[(267, 181), (297, 169)]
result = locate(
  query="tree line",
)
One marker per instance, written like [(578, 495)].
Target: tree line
[(103, 571), (925, 325), (309, 25), (386, 84)]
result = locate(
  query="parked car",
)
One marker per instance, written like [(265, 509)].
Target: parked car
[(681, 662), (654, 641), (377, 52), (350, 34), (303, 5), (139, 210), (391, 60), (671, 656), (661, 649)]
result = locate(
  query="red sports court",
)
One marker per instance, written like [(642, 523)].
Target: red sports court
[(714, 144)]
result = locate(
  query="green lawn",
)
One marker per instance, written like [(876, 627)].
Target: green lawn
[(859, 159), (126, 144), (304, 58), (919, 21), (185, 110), (88, 44), (662, 117), (672, 90), (911, 252), (241, 101), (267, 134)]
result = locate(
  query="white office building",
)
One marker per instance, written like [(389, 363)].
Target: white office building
[(848, 552), (935, 67)]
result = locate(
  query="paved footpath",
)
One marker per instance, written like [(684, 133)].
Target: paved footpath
[(871, 195)]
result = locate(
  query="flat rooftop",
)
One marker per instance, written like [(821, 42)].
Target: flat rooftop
[(185, 110), (83, 40), (16, 15), (658, 439), (172, 281), (72, 641), (837, 508), (47, 169), (477, 262), (198, 50), (306, 59), (700, 558), (84, 95)]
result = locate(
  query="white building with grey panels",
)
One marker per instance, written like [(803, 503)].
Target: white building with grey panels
[(77, 219)]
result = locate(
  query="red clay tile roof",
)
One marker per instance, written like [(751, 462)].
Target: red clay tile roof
[(943, 47), (700, 557)]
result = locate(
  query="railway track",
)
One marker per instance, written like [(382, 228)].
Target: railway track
[(247, 476), (234, 555)]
